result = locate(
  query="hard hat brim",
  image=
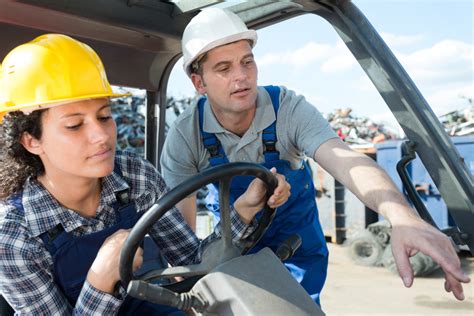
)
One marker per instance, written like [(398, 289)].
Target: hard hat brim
[(28, 108), (247, 35)]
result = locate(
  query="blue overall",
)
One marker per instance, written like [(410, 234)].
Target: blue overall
[(298, 215), (73, 256)]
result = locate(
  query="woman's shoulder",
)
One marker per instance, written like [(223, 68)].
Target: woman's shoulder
[(12, 207), (12, 216)]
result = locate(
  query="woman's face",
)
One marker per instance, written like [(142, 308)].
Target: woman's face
[(78, 139)]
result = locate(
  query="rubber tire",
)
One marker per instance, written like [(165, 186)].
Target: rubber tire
[(421, 264), (365, 250)]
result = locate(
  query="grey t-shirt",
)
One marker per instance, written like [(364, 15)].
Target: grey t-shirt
[(300, 129)]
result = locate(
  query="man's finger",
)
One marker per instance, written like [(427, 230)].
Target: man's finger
[(447, 258), (403, 266), (447, 286), (453, 285)]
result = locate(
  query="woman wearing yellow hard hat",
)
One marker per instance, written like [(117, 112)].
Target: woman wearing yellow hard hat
[(67, 198)]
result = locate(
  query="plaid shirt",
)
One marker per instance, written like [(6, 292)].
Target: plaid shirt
[(26, 267)]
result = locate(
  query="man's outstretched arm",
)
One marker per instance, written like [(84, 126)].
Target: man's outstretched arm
[(410, 234)]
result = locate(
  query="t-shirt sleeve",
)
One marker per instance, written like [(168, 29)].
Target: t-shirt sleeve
[(307, 128), (177, 160)]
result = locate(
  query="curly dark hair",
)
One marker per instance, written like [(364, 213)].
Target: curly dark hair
[(16, 163)]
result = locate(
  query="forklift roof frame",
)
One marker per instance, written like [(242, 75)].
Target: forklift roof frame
[(139, 43)]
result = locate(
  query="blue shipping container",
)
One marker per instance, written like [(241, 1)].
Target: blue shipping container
[(390, 152)]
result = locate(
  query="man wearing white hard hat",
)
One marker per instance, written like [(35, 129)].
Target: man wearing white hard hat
[(240, 121)]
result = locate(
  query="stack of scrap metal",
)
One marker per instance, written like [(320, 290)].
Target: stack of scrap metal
[(459, 123), (129, 115), (130, 123), (358, 130)]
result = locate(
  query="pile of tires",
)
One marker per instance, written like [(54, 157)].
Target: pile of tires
[(371, 247)]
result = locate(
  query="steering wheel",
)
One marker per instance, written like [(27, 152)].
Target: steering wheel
[(217, 252)]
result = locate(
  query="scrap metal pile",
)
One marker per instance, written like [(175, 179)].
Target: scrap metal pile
[(459, 123), (358, 130), (130, 123), (129, 114)]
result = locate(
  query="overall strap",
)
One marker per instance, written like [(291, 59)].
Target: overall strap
[(123, 197), (269, 136), (210, 141), (54, 237)]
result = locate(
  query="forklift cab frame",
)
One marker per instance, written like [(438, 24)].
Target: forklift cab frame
[(147, 33)]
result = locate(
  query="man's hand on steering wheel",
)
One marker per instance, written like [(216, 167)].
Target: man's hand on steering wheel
[(253, 199)]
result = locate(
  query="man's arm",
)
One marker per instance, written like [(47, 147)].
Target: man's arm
[(362, 176), (187, 207), (410, 234)]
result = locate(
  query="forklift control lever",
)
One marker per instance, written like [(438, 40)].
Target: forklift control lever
[(288, 247)]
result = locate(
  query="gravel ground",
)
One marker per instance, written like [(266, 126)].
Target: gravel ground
[(358, 290)]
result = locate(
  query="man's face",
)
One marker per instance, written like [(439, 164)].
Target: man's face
[(229, 78)]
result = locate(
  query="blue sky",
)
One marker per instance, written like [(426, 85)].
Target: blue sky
[(433, 40)]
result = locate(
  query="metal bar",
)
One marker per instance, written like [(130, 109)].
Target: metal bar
[(151, 125), (434, 147), (185, 6), (340, 211), (224, 205), (408, 151), (160, 133)]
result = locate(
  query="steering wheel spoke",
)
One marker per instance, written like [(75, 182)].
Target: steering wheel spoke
[(170, 272), (224, 204)]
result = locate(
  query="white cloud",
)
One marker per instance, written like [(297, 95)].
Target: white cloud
[(270, 59), (450, 98), (445, 61), (299, 57), (309, 53), (317, 100), (334, 58), (340, 62), (395, 40), (364, 84), (442, 72)]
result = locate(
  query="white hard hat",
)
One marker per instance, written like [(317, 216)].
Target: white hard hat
[(211, 28)]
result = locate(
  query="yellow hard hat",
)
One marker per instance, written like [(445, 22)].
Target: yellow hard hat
[(52, 69)]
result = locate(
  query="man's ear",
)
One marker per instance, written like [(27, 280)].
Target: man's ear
[(31, 144), (198, 83)]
